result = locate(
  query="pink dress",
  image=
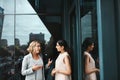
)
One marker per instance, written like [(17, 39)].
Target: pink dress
[(59, 65), (91, 76)]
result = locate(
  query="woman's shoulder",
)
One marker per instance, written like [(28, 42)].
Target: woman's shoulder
[(66, 53), (86, 53), (28, 55)]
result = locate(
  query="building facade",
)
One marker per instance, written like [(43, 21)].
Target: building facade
[(99, 19), (74, 20), (105, 28)]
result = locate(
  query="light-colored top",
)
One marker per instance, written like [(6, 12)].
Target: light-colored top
[(60, 65), (91, 65), (27, 64)]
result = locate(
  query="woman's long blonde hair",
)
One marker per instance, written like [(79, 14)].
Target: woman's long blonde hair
[(32, 45)]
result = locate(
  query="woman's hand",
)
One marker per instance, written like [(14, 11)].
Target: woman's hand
[(53, 72), (49, 62), (36, 67), (98, 70)]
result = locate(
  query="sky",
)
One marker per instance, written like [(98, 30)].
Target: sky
[(21, 25)]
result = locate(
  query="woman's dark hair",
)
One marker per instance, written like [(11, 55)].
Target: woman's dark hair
[(87, 42), (64, 43)]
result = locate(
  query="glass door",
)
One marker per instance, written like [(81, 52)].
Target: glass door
[(89, 27)]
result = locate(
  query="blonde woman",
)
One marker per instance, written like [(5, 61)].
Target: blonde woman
[(32, 64)]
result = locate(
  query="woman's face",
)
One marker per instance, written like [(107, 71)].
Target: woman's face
[(37, 48), (91, 47), (58, 47)]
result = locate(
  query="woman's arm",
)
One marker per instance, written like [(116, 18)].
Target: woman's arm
[(87, 69), (53, 72), (48, 64), (25, 70)]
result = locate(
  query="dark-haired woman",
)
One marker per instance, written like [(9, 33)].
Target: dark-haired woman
[(62, 70), (90, 68)]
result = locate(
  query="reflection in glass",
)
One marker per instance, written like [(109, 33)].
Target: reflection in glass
[(17, 29), (8, 6), (7, 47), (86, 26), (7, 67), (8, 29), (30, 24), (89, 19), (89, 27), (24, 7)]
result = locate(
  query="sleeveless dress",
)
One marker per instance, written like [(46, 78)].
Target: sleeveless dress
[(91, 76), (59, 65)]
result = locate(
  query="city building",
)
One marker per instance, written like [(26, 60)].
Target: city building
[(1, 20), (38, 37), (4, 43), (17, 42)]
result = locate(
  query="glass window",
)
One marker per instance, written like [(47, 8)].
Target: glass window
[(19, 25), (89, 27), (8, 6)]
